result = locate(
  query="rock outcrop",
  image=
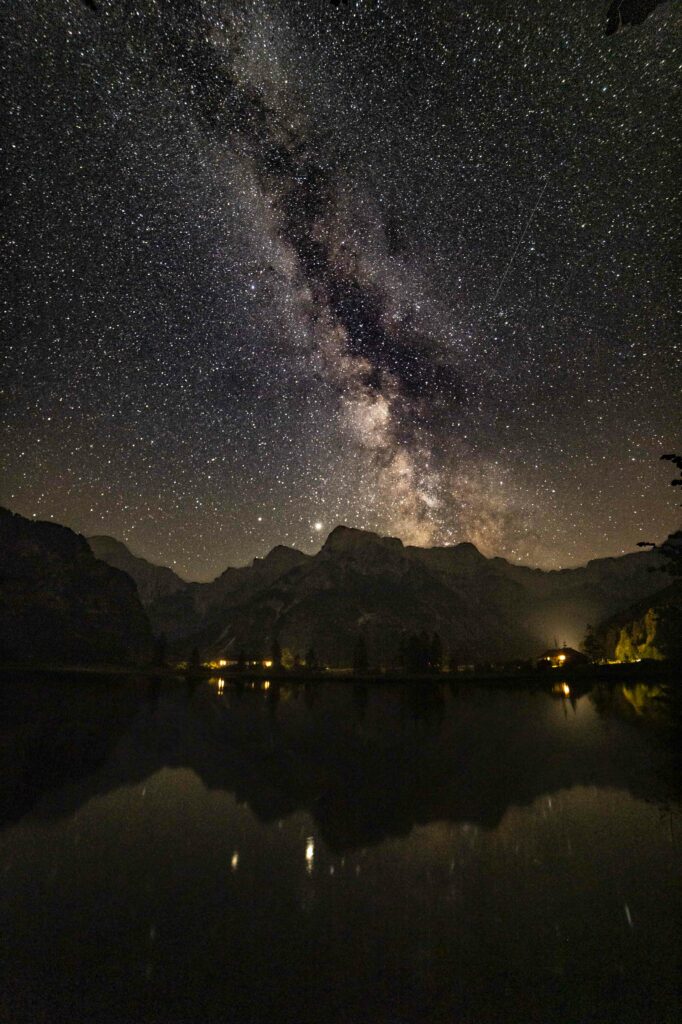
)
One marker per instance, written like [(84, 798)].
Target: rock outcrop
[(651, 628), (58, 603), (153, 581)]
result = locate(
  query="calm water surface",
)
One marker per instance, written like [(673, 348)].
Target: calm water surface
[(335, 853)]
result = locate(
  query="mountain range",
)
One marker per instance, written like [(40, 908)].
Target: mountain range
[(362, 585), (63, 598)]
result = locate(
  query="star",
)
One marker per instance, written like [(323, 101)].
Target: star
[(404, 263)]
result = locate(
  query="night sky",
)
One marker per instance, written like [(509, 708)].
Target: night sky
[(275, 265)]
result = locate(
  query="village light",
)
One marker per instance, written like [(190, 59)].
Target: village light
[(309, 854), (267, 664)]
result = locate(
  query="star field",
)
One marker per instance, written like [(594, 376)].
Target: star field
[(272, 265)]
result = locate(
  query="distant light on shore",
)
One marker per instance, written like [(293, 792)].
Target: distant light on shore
[(309, 854)]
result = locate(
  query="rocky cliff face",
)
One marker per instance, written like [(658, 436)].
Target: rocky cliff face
[(363, 584), (651, 628), (58, 603), (153, 581)]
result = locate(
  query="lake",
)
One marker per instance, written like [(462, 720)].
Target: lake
[(339, 852)]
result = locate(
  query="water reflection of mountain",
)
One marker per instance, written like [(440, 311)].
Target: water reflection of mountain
[(365, 762)]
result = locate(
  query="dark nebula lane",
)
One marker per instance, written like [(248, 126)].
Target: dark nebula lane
[(272, 265)]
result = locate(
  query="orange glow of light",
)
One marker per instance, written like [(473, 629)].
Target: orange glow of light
[(309, 854)]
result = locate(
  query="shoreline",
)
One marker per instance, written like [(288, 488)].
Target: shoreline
[(583, 676)]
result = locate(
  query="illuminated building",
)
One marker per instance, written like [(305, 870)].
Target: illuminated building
[(562, 657)]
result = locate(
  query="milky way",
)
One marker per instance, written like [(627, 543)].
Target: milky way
[(274, 266)]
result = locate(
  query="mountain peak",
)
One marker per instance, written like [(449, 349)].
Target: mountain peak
[(104, 542), (467, 546), (152, 580), (349, 539), (468, 554), (280, 555)]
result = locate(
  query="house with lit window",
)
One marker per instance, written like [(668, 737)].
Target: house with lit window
[(562, 657)]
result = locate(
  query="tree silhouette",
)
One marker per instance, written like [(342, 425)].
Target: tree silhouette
[(311, 658), (669, 631), (195, 659), (276, 654), (592, 646), (360, 656), (671, 548), (420, 653), (436, 653), (160, 651), (622, 13)]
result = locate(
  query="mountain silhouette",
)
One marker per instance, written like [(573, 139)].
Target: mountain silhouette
[(362, 584)]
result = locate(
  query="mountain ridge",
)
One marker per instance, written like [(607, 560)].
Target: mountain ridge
[(467, 547), (360, 583), (59, 603), (152, 580)]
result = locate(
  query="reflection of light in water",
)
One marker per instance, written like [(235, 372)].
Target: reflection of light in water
[(234, 863), (562, 688), (309, 854), (221, 686), (266, 684)]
